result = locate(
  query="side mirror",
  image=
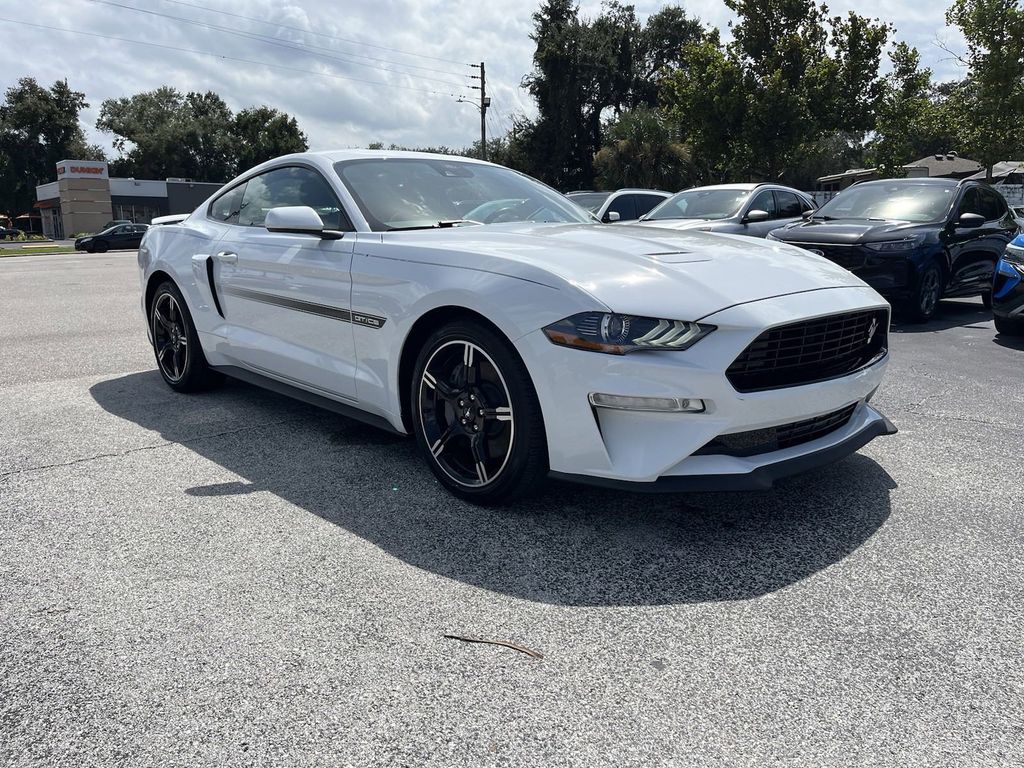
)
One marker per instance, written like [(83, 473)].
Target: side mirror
[(806, 215), (610, 216), (970, 221), (298, 220), (756, 215)]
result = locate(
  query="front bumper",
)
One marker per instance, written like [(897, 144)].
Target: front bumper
[(1008, 289), (760, 477), (657, 449)]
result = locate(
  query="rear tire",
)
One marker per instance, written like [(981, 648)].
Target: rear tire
[(925, 302), (179, 356), (476, 416), (1008, 327)]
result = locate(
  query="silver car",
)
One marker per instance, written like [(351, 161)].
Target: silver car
[(736, 209), (620, 205)]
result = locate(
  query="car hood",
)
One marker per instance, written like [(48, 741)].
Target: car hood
[(637, 270), (846, 231)]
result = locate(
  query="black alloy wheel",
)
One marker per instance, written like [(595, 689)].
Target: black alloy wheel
[(476, 415), (179, 356), (923, 306)]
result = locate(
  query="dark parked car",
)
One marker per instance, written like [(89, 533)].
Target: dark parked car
[(620, 205), (1008, 290), (915, 241), (10, 234), (121, 237)]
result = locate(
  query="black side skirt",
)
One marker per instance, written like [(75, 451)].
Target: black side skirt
[(761, 479), (256, 379)]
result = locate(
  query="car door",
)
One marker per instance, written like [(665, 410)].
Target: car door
[(286, 297), (133, 238), (973, 252), (763, 200)]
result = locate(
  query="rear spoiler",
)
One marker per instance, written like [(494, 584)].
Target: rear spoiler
[(177, 218)]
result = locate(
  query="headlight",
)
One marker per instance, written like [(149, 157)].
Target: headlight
[(1014, 253), (618, 334), (896, 246)]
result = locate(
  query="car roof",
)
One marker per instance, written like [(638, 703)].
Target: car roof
[(745, 187), (913, 181), (336, 155)]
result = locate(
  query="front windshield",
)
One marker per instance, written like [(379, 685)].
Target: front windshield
[(422, 193), (890, 202), (592, 201), (701, 204)]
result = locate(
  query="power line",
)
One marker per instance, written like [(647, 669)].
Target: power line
[(228, 58), (280, 43), (319, 34)]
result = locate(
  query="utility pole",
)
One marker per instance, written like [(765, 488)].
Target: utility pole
[(485, 102)]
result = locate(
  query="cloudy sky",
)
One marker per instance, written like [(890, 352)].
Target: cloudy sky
[(389, 70)]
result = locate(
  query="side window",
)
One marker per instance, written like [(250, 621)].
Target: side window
[(226, 207), (624, 206), (971, 202), (291, 186), (645, 203), (992, 206), (788, 204), (764, 201)]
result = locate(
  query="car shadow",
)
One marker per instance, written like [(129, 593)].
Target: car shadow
[(1010, 342), (952, 313), (570, 545)]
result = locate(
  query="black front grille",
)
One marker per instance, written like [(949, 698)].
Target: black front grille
[(759, 441), (846, 256), (811, 350)]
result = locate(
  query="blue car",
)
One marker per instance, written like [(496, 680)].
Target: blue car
[(1008, 290)]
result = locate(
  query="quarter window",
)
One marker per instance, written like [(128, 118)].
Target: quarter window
[(291, 186), (226, 207)]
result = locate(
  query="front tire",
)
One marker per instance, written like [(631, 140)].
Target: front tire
[(925, 302), (179, 356), (100, 247), (476, 416)]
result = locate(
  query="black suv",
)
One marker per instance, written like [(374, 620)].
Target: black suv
[(915, 241)]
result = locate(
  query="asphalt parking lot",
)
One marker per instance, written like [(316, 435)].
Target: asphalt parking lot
[(239, 579)]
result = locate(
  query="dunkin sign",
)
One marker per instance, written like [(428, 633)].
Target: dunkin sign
[(82, 169)]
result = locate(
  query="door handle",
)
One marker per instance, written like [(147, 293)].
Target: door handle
[(227, 257)]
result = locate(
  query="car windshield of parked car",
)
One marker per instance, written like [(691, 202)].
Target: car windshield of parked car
[(425, 193), (890, 202), (701, 204), (592, 201)]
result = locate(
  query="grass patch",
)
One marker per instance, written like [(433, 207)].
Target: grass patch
[(41, 249)]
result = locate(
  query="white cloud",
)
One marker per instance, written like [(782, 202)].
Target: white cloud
[(336, 112)]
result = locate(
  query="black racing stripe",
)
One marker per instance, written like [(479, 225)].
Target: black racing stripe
[(335, 313)]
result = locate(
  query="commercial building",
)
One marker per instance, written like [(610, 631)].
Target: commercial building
[(84, 198)]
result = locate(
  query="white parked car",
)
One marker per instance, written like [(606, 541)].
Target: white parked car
[(516, 338), (620, 205)]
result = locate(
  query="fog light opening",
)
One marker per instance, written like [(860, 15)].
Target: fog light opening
[(658, 404)]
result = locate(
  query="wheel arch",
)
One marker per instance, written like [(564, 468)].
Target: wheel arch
[(154, 281), (417, 336)]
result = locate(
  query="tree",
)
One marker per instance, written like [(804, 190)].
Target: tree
[(994, 87), (791, 79), (905, 115), (262, 133), (163, 133), (38, 128), (642, 150)]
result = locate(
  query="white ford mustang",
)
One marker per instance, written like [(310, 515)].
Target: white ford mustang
[(512, 334)]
